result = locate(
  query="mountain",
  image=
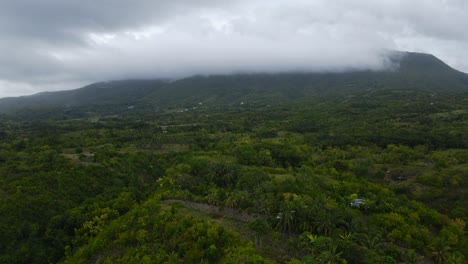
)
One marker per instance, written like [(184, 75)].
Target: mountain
[(355, 167), (114, 92), (416, 71)]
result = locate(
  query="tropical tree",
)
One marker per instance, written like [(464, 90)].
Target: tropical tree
[(411, 257), (232, 200), (371, 241), (440, 251), (456, 258), (331, 256), (286, 217), (214, 196), (260, 228), (324, 224)]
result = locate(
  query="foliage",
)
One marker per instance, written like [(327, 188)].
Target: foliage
[(93, 189)]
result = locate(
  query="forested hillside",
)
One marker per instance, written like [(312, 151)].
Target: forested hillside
[(405, 70), (352, 176)]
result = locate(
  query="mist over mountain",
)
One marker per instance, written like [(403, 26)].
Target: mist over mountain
[(404, 70), (247, 131), (55, 45)]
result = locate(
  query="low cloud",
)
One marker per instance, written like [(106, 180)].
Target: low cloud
[(55, 45)]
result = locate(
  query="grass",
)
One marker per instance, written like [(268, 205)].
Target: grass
[(272, 247), (226, 222)]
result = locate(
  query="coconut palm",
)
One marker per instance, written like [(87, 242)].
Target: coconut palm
[(411, 257), (286, 217), (440, 251), (456, 258), (324, 224), (214, 196), (331, 256)]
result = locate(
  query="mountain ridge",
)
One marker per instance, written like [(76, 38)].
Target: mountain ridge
[(417, 71)]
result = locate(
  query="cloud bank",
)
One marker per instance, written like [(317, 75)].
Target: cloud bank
[(56, 45)]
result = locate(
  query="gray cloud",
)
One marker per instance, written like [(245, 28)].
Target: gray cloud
[(56, 20), (55, 44)]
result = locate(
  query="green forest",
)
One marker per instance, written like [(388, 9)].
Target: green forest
[(369, 176)]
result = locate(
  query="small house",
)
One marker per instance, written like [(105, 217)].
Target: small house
[(357, 202)]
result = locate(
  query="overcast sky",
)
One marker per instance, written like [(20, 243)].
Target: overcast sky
[(57, 44)]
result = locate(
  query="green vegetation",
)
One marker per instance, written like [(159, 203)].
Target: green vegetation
[(90, 190), (415, 71), (257, 181)]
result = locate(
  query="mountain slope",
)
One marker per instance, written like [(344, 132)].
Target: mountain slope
[(115, 92), (415, 71)]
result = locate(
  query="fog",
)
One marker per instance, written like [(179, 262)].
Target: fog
[(56, 45)]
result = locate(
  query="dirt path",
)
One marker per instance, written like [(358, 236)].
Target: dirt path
[(215, 211)]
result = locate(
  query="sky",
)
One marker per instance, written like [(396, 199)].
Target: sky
[(49, 45)]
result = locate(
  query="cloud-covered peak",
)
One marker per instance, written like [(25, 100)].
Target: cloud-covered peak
[(54, 44)]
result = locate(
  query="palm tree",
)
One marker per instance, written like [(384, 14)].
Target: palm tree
[(213, 196), (286, 217), (304, 226), (172, 257), (456, 258), (232, 200), (347, 236), (440, 251), (411, 257), (222, 173), (331, 256), (260, 228), (324, 224)]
